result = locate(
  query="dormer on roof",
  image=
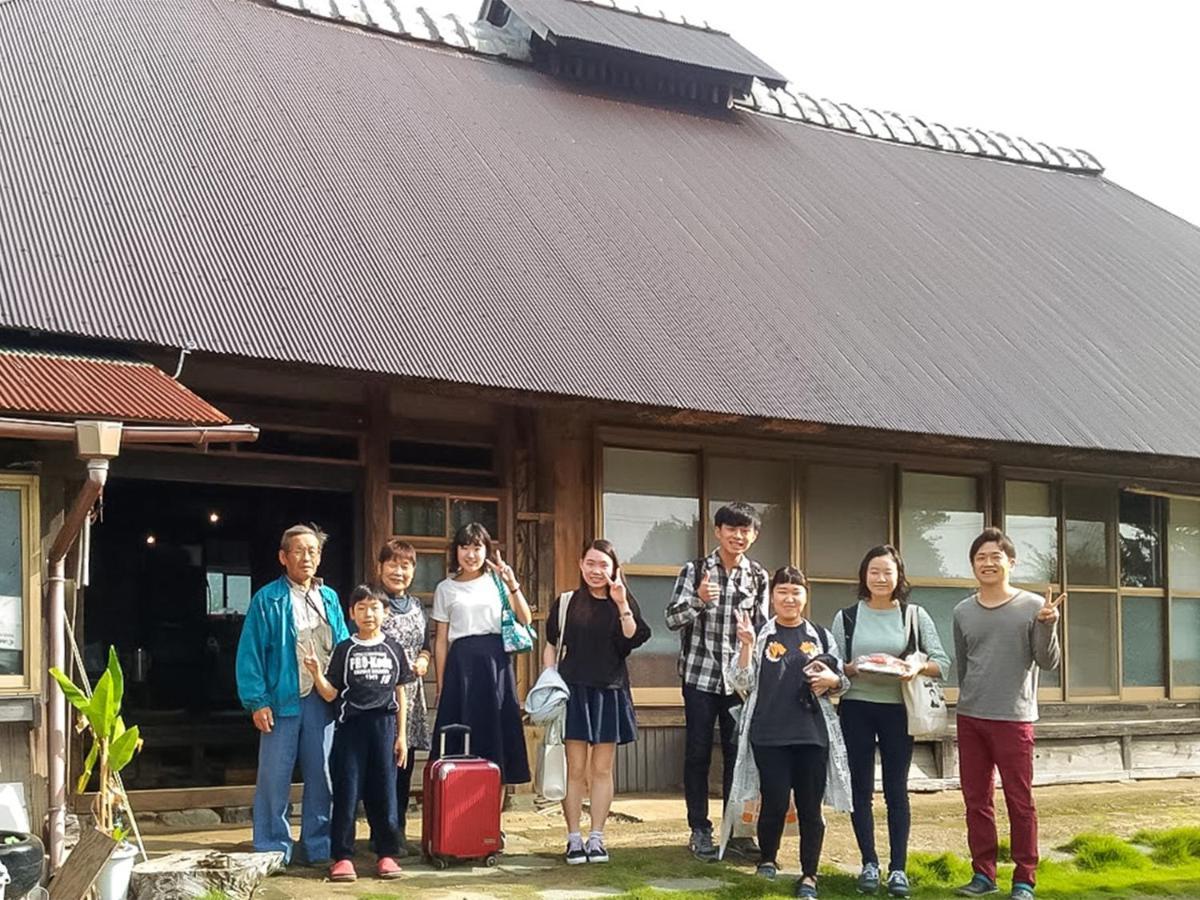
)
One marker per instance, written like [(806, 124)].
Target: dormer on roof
[(631, 51)]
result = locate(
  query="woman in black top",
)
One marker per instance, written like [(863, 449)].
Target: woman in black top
[(603, 624)]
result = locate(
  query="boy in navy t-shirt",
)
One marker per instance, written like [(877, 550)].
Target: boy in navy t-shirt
[(364, 682)]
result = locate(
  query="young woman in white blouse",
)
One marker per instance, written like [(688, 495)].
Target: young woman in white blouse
[(475, 681)]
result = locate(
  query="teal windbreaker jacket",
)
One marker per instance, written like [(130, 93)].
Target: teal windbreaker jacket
[(267, 671)]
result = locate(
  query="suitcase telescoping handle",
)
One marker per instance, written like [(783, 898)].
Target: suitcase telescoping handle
[(465, 730)]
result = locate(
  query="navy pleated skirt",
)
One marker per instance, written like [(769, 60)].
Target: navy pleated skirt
[(479, 690), (600, 715)]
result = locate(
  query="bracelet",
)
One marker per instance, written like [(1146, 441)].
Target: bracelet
[(514, 590), (627, 615)]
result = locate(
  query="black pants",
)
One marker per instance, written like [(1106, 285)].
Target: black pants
[(404, 789), (702, 710), (799, 770), (362, 766), (864, 724)]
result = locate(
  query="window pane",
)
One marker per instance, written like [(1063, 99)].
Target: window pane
[(651, 504), (419, 516), (12, 585), (654, 663), (940, 603), (765, 484), (485, 512), (1089, 515), (1031, 520), (1142, 629), (1185, 545), (940, 515), (824, 600), (216, 591), (1092, 644), (430, 569), (845, 515), (1141, 531), (1185, 641)]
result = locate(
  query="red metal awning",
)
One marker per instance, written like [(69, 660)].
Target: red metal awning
[(74, 385)]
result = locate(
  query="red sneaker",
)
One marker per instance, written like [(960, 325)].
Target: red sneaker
[(388, 868), (343, 870)]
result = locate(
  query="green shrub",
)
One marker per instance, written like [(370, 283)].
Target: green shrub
[(1097, 852), (1174, 847), (945, 870)]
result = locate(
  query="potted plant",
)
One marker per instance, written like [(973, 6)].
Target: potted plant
[(113, 746)]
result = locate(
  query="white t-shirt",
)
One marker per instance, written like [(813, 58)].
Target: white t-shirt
[(470, 607)]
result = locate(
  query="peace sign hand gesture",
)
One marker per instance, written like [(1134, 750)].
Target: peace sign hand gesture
[(504, 570), (745, 628), (1049, 611), (617, 591)]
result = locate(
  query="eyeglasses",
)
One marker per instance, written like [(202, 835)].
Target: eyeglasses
[(305, 552)]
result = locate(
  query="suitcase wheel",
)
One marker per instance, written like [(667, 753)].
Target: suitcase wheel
[(438, 862), (491, 860)]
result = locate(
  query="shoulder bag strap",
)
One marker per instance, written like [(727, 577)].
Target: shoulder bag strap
[(564, 600)]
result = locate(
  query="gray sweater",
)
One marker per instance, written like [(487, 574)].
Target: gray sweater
[(998, 652)]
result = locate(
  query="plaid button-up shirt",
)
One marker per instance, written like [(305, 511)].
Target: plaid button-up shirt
[(708, 631)]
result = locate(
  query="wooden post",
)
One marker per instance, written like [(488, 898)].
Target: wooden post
[(83, 866), (377, 450)]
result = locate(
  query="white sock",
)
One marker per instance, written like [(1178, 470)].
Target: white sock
[(596, 837), (574, 839)]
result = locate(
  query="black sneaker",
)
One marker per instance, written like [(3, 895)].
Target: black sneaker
[(743, 847), (767, 870), (701, 845), (897, 884), (576, 854), (868, 879), (804, 889), (596, 852), (979, 886)]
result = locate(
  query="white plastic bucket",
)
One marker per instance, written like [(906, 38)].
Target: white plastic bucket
[(113, 883)]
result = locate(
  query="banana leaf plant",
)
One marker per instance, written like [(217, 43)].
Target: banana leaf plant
[(113, 745)]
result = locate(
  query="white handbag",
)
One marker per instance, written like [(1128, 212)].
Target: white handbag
[(923, 697), (551, 773)]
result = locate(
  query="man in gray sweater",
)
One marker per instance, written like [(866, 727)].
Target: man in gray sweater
[(1002, 636)]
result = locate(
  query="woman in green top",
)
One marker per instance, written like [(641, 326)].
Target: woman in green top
[(872, 711)]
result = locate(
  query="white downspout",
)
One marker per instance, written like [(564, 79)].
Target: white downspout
[(97, 475)]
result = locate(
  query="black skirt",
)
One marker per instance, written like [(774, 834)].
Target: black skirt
[(600, 715), (479, 690)]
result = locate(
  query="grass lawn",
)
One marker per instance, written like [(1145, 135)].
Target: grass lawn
[(1151, 864)]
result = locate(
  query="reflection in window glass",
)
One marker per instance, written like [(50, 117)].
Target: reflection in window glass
[(651, 505), (1185, 641), (485, 512), (418, 516), (845, 515), (940, 515), (12, 585), (766, 485), (1092, 643), (1031, 520), (824, 600), (654, 663), (1185, 545), (1089, 516), (430, 569), (1140, 530), (237, 593), (1142, 642), (216, 591), (940, 603)]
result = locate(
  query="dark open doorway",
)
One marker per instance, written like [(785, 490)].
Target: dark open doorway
[(173, 567)]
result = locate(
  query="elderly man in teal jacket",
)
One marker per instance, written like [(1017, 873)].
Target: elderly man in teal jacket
[(288, 617)]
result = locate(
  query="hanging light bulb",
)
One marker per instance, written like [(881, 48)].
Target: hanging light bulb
[(214, 517), (151, 540)]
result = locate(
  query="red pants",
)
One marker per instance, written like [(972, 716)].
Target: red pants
[(985, 745)]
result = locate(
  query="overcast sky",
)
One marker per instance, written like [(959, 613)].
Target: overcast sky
[(1118, 79)]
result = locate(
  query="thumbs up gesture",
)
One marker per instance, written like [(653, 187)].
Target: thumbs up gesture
[(708, 591), (1049, 611)]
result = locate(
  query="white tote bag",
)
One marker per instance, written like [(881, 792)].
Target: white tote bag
[(923, 697), (552, 761)]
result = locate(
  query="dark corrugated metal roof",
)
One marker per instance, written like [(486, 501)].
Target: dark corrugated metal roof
[(61, 384), (282, 188), (645, 34)]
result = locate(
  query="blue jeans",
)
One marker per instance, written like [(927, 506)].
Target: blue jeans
[(308, 736)]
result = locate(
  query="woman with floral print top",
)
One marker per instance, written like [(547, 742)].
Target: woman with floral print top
[(405, 623)]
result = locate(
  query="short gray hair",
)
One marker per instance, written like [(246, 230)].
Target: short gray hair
[(285, 542)]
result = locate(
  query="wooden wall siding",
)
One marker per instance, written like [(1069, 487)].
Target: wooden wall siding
[(653, 763), (566, 444)]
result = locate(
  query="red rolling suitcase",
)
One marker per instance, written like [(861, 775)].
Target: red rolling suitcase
[(460, 817)]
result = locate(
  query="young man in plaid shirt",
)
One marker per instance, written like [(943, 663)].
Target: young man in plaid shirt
[(702, 609)]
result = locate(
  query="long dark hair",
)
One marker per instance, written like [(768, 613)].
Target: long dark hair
[(903, 588), (604, 547), (470, 534)]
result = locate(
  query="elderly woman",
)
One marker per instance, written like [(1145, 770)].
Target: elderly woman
[(288, 619), (789, 742)]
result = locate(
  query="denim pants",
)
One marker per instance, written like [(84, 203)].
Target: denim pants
[(363, 765), (309, 737), (701, 711), (863, 725)]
